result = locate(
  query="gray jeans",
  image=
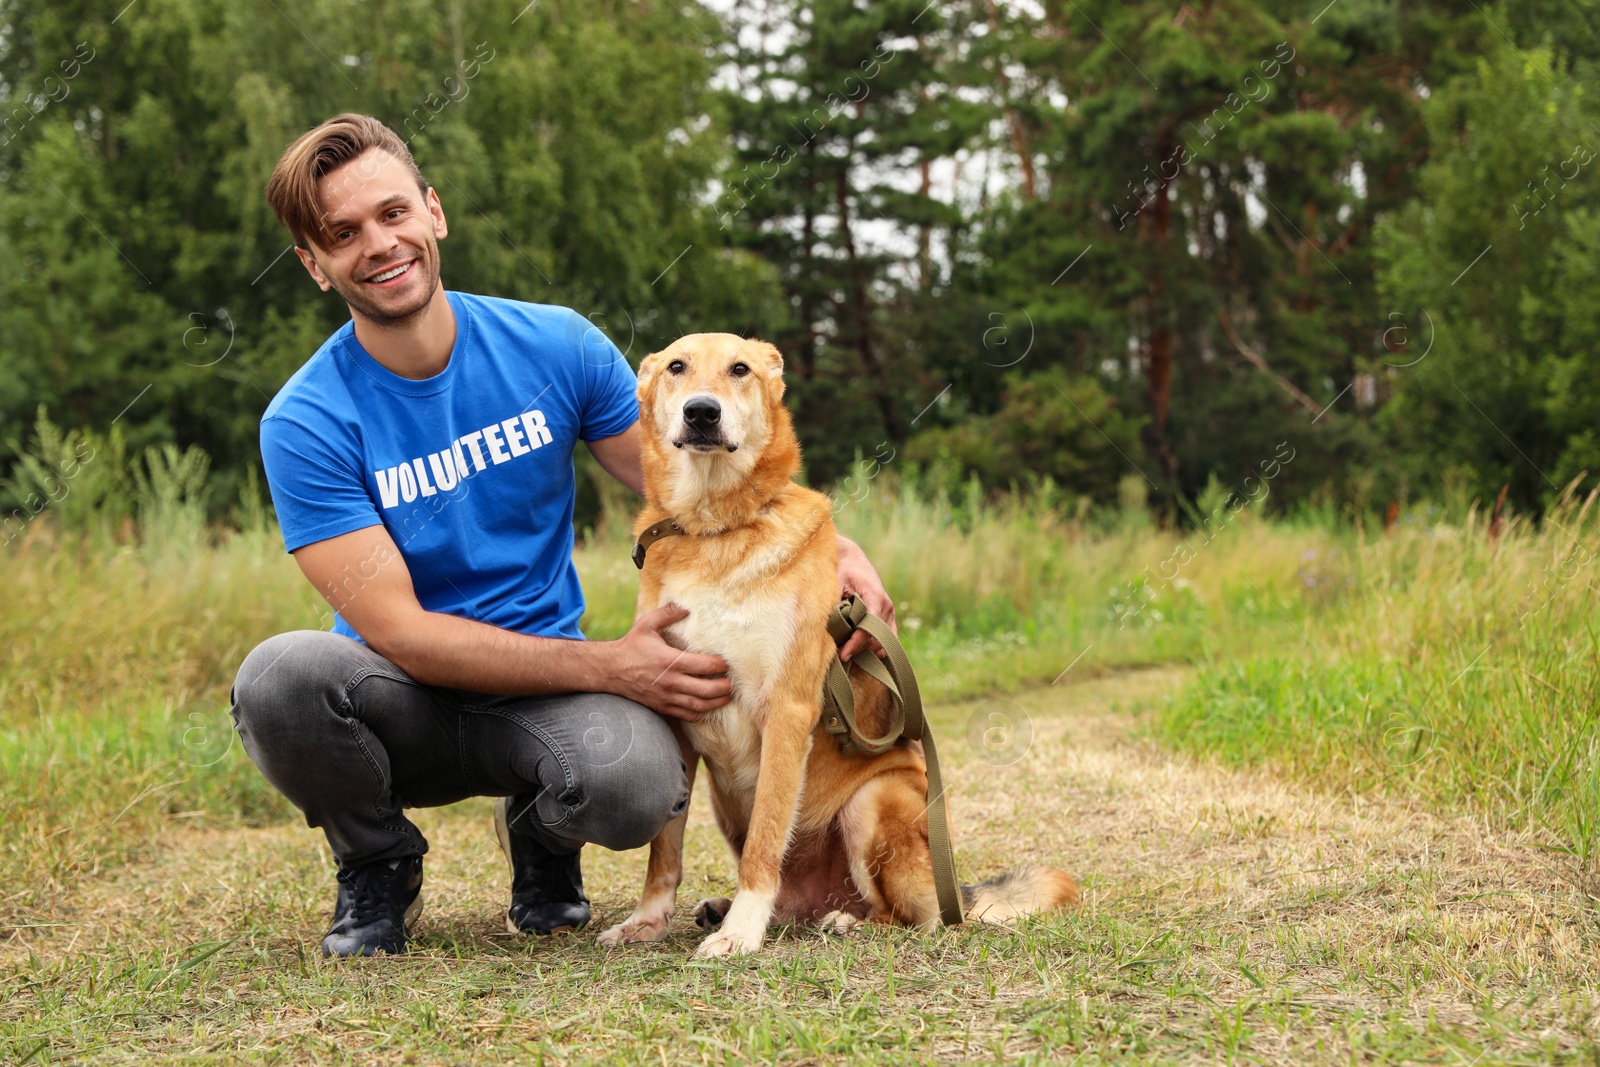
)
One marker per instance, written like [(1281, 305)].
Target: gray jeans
[(351, 740)]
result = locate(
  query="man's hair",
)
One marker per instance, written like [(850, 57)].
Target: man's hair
[(292, 189)]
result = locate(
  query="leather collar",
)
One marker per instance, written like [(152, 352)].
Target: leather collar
[(652, 534)]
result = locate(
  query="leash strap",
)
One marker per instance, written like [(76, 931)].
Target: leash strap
[(839, 719)]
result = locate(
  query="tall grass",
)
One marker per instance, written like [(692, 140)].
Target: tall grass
[(1438, 662), (114, 672)]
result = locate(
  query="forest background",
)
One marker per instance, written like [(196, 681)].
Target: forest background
[(1015, 242)]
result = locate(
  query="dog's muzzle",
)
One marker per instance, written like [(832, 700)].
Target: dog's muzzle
[(702, 417)]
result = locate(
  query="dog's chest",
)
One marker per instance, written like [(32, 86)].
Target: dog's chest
[(755, 636)]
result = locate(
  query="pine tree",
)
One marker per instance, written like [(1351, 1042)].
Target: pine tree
[(1198, 231), (833, 101)]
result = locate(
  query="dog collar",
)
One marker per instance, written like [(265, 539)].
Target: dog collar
[(652, 534)]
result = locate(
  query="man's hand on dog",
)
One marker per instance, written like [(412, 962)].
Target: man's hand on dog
[(857, 575), (678, 684)]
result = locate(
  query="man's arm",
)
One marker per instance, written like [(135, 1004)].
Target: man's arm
[(619, 456), (364, 577), (857, 575)]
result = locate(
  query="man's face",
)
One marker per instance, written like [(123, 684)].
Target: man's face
[(379, 223)]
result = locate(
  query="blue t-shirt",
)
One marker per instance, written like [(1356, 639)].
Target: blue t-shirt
[(469, 470)]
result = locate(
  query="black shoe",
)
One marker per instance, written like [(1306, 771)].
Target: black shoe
[(376, 902), (546, 889)]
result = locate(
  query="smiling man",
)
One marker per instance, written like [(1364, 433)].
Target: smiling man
[(421, 467)]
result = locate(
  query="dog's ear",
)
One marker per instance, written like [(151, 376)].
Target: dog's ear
[(648, 370), (774, 359)]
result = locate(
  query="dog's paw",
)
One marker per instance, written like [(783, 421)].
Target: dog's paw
[(636, 930), (841, 923), (709, 913), (744, 924), (728, 942)]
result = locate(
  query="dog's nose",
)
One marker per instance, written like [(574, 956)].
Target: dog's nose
[(702, 412)]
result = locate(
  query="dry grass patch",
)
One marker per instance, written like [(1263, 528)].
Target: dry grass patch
[(1228, 917), (1337, 910)]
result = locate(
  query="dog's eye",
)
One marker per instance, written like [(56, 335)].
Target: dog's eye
[(739, 370), (675, 367)]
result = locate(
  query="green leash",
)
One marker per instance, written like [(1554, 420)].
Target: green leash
[(839, 716), (839, 719)]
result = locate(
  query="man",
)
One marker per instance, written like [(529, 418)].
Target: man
[(421, 467)]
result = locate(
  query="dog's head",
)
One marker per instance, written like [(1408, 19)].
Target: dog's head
[(711, 408)]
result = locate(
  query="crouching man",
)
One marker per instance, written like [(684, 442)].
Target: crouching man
[(421, 465)]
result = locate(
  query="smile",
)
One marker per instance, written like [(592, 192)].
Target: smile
[(390, 275)]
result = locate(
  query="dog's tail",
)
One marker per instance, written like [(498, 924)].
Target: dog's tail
[(1017, 893)]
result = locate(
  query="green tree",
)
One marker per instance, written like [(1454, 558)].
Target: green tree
[(1192, 217), (1499, 257), (572, 144), (834, 102), (1048, 426)]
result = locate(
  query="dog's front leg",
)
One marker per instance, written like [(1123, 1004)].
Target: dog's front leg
[(785, 744), (664, 870)]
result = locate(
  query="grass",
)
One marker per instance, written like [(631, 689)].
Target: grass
[(1227, 917), (1331, 795), (1443, 664)]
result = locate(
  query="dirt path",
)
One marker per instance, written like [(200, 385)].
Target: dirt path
[(1227, 917), (1351, 913)]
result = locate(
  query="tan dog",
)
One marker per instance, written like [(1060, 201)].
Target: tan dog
[(820, 836)]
